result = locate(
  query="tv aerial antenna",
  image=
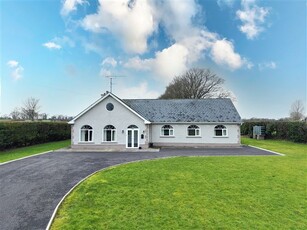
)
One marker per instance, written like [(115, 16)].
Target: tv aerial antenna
[(111, 78)]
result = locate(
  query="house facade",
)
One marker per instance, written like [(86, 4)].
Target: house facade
[(114, 123)]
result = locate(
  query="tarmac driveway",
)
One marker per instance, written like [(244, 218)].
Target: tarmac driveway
[(31, 188)]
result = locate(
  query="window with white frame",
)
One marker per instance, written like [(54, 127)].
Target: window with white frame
[(193, 131), (109, 133), (167, 130), (86, 134), (220, 131)]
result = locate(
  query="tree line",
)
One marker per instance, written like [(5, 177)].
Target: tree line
[(30, 110)]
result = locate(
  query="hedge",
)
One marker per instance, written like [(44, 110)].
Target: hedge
[(19, 134), (286, 130)]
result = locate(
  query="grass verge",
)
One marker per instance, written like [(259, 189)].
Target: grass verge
[(31, 150), (255, 192)]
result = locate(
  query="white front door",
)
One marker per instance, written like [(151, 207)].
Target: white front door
[(132, 138)]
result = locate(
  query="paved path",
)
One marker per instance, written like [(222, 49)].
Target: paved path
[(31, 188)]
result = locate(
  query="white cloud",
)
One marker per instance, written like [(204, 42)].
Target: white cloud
[(131, 24), (16, 69), (59, 42), (138, 63), (166, 64), (177, 58), (252, 18), (176, 17), (139, 91), (171, 61), (63, 41), (267, 65), (198, 42), (71, 5), (52, 45), (17, 73), (134, 22), (105, 72), (12, 63), (109, 61), (222, 53), (107, 64), (249, 64), (93, 47)]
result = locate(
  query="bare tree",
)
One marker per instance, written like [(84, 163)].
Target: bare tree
[(297, 110), (43, 116), (31, 108), (196, 83), (16, 114)]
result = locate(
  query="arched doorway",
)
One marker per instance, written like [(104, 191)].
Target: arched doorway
[(132, 137)]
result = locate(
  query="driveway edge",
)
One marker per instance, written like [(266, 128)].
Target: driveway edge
[(281, 154), (36, 154)]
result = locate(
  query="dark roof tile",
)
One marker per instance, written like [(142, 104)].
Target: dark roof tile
[(185, 110)]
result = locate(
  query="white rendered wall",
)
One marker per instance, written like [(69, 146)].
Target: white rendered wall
[(207, 136), (98, 117)]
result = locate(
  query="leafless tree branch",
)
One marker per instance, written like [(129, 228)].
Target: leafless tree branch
[(196, 83), (31, 108)]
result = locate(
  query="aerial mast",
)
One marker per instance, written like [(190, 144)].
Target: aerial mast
[(111, 81)]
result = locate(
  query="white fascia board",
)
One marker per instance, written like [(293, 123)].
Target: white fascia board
[(198, 122)]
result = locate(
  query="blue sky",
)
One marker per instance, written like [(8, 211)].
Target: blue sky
[(61, 51)]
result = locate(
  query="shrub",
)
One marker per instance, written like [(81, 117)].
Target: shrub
[(286, 130), (19, 134)]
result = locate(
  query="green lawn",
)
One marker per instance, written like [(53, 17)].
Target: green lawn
[(260, 192), (31, 150)]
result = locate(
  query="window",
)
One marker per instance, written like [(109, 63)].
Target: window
[(86, 133), (109, 133), (132, 127), (193, 130), (110, 106), (220, 131), (167, 130)]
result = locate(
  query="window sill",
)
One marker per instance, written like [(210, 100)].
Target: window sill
[(109, 142), (85, 142), (220, 136), (193, 136), (167, 136)]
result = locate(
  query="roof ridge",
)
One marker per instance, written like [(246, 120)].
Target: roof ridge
[(176, 99)]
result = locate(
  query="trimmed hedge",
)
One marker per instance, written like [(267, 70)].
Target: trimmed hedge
[(20, 134), (286, 130)]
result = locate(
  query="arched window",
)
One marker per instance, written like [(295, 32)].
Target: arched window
[(132, 127), (109, 132), (86, 134), (220, 131), (193, 130), (167, 130)]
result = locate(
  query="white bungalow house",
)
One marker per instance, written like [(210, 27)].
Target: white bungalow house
[(114, 123)]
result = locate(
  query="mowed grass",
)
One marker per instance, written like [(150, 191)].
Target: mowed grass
[(255, 192), (31, 150)]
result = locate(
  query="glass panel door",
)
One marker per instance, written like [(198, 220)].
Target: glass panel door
[(129, 138), (135, 138), (132, 138)]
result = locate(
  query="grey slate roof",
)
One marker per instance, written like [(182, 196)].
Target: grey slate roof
[(185, 110)]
